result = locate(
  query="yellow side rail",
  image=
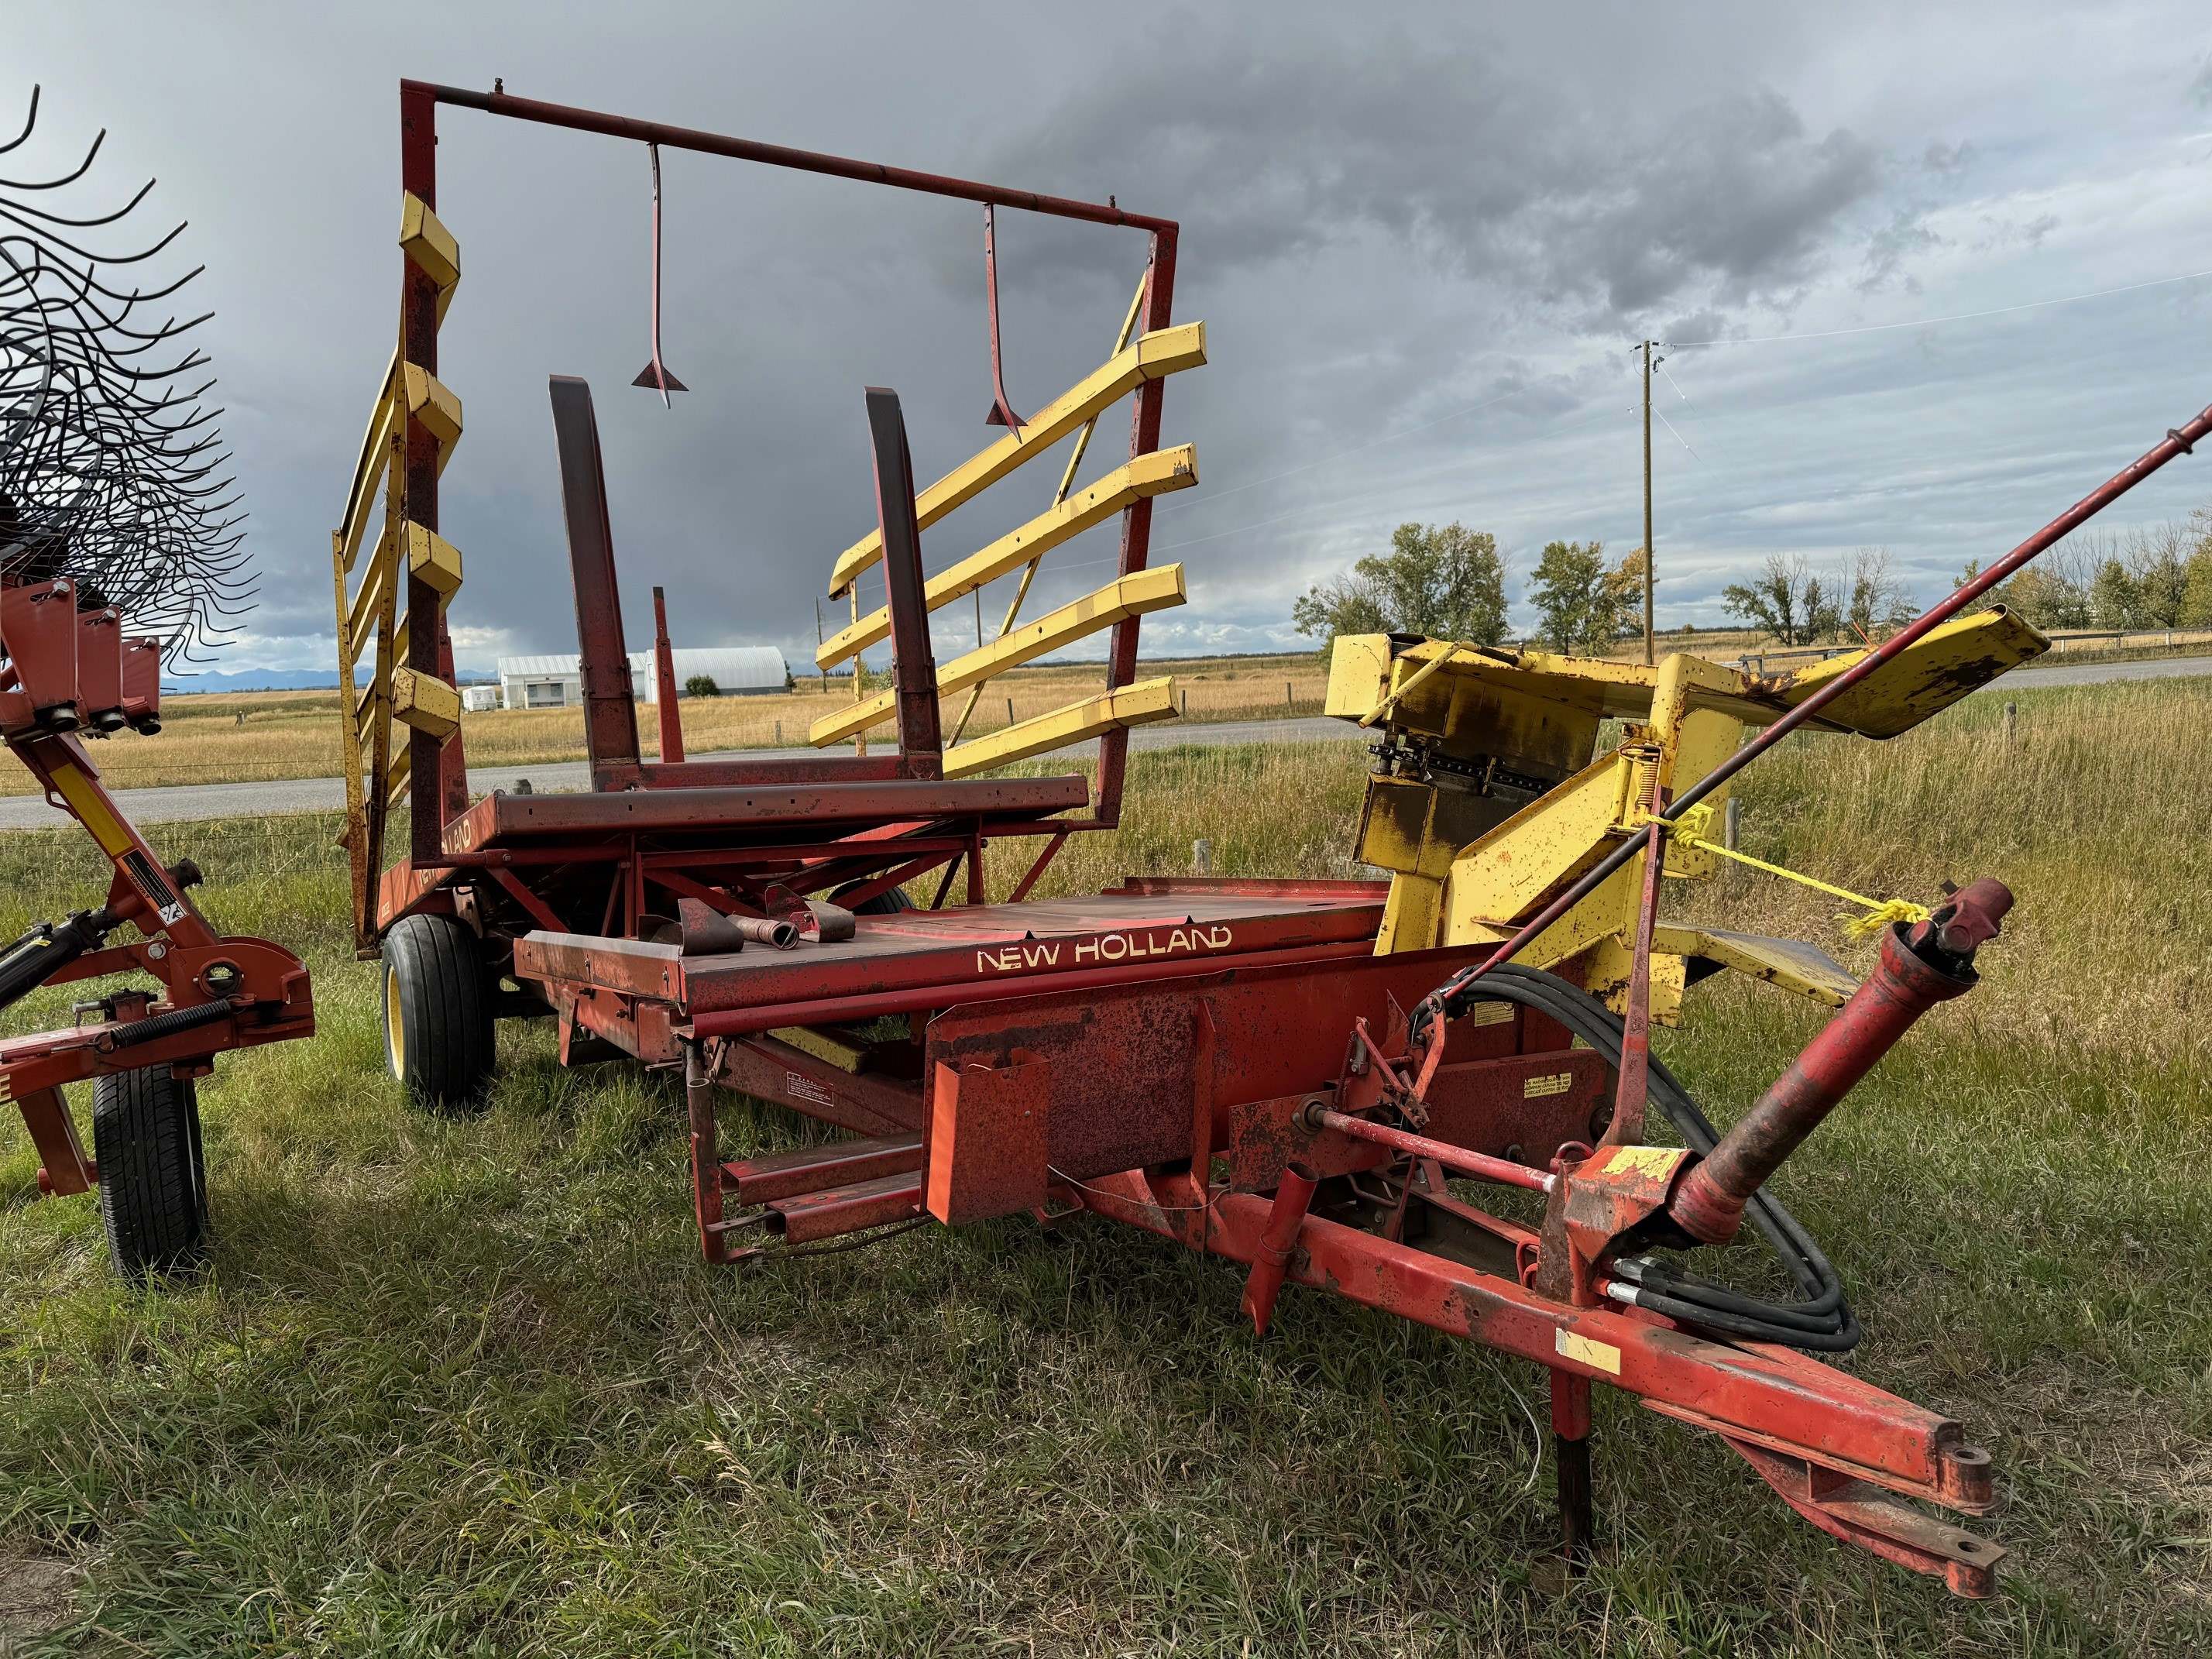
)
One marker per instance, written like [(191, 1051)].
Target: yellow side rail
[(1075, 411), (369, 617)]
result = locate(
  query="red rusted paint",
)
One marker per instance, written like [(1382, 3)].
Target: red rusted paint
[(1903, 985)]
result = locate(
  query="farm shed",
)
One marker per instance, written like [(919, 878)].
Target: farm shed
[(555, 681)]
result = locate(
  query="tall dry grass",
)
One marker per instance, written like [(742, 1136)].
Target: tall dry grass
[(254, 736), (463, 1386)]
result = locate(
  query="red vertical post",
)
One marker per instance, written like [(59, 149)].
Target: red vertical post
[(438, 785), (664, 684), (914, 664), (1136, 525), (609, 707)]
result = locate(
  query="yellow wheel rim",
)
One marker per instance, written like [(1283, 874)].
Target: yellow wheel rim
[(395, 1030)]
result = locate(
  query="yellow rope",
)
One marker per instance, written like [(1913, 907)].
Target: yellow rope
[(1690, 830)]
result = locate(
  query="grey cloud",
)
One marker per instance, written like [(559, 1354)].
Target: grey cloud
[(1490, 173), (1891, 246), (1940, 157)]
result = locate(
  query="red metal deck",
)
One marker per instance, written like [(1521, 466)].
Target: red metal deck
[(1143, 929)]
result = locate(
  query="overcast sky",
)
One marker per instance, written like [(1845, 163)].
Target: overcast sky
[(1423, 240)]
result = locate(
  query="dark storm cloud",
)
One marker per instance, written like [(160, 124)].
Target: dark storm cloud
[(1475, 164), (1421, 238)]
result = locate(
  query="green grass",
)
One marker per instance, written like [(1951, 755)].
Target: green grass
[(461, 1387)]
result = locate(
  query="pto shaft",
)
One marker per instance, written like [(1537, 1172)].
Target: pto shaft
[(1931, 964)]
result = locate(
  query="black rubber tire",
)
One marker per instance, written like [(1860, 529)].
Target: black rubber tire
[(438, 1031), (888, 903), (153, 1175)]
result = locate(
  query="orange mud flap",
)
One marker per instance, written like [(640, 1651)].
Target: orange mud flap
[(1861, 1513)]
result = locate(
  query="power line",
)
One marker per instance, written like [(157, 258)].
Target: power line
[(1956, 317)]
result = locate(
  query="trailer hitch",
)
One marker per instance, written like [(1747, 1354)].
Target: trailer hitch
[(1930, 963)]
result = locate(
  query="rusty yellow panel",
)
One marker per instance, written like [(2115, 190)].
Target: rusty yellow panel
[(1606, 966), (425, 703), (1132, 705), (367, 469), (829, 1043), (429, 401), (1926, 677), (1803, 969), (1607, 914), (1145, 475), (430, 248), (1128, 596), (1410, 916), (395, 784), (361, 614), (1509, 873), (435, 559), (1358, 674), (1150, 357)]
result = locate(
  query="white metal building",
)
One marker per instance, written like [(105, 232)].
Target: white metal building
[(556, 681)]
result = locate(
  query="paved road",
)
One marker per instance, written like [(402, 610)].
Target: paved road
[(224, 800)]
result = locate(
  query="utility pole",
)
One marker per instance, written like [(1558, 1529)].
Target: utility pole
[(1649, 574)]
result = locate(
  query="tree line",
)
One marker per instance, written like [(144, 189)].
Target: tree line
[(2151, 576), (1446, 581)]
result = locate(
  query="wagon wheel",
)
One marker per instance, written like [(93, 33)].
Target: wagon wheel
[(153, 1178), (438, 1032), (888, 903)]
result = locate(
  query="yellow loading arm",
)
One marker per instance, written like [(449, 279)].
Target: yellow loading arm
[(1489, 796)]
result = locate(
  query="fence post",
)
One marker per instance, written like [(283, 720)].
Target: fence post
[(1731, 821), (1290, 707), (778, 732), (1201, 857), (2012, 723)]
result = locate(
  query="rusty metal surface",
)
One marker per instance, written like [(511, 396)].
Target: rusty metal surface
[(982, 948), (778, 1071), (1903, 987), (728, 814), (812, 1216), (988, 1152), (914, 666), (814, 1169), (610, 709)]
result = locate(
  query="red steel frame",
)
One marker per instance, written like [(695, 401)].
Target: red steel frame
[(63, 670), (1225, 1064), (438, 785)]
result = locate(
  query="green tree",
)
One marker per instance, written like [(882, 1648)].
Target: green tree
[(1582, 604), (1442, 582), (1786, 600), (2114, 600), (2196, 572), (702, 685)]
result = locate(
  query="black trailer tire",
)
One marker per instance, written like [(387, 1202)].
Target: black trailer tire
[(891, 901), (438, 1030), (153, 1175)]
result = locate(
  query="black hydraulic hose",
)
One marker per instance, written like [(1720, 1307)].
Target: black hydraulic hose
[(1821, 1320)]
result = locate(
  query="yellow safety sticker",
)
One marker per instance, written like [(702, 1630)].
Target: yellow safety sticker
[(1488, 1013), (1587, 1351), (1656, 1162), (1552, 1083), (107, 828)]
